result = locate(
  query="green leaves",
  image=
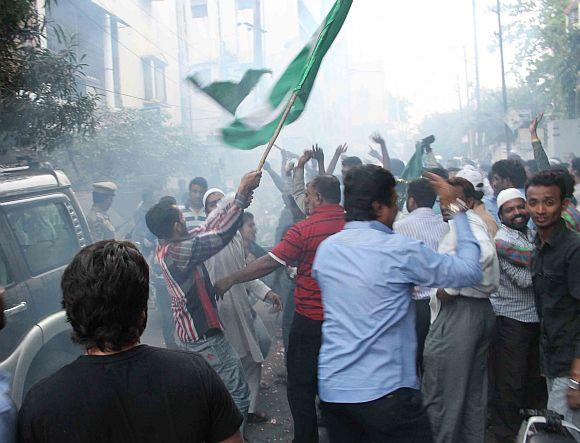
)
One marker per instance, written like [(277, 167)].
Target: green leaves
[(41, 107), (549, 50)]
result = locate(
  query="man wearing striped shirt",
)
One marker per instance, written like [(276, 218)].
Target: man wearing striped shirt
[(422, 224), (193, 211), (181, 253), (516, 360)]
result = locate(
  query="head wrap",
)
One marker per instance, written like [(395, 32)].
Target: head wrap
[(209, 192), (507, 195)]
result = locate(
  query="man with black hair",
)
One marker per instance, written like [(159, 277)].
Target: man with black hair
[(100, 223), (181, 253), (504, 174), (348, 163), (424, 225), (193, 211), (122, 390), (367, 364), (456, 350), (569, 213), (298, 248), (556, 283)]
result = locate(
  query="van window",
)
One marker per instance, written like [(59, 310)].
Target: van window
[(45, 233), (5, 277)]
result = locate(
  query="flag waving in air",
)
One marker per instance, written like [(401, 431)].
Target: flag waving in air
[(256, 129)]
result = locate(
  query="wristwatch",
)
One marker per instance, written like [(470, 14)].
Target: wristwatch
[(456, 207), (574, 384)]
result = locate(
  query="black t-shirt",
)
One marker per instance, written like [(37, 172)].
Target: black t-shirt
[(145, 394)]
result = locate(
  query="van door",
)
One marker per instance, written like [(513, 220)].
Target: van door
[(17, 309), (47, 235)]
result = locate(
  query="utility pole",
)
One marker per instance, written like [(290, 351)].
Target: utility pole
[(503, 86), (477, 85), (469, 131)]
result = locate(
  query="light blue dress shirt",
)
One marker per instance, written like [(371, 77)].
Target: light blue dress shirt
[(366, 274), (8, 413)]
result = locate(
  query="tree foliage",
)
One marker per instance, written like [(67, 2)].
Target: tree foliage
[(41, 107), (132, 145), (548, 51)]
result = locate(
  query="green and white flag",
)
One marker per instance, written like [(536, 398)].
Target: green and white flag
[(229, 94), (256, 129)]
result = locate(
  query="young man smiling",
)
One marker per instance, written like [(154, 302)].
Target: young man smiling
[(556, 282)]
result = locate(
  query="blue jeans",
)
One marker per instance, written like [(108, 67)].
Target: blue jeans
[(218, 352), (557, 401)]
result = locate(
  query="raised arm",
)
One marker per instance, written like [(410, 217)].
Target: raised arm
[(276, 178), (385, 158), (539, 154), (336, 157), (318, 154), (298, 188)]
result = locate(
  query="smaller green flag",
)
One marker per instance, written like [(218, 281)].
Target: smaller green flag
[(229, 94), (414, 167)]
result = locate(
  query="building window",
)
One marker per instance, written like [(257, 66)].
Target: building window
[(245, 4), (198, 8), (154, 79)]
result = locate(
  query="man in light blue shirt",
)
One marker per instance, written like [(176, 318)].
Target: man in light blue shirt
[(8, 413), (367, 374)]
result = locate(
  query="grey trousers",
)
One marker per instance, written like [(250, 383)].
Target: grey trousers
[(455, 370)]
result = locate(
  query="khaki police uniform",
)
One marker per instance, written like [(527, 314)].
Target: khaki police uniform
[(99, 221)]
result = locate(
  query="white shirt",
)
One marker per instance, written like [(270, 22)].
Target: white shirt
[(424, 225), (488, 261)]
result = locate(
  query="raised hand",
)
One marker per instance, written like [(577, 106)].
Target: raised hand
[(249, 183), (317, 153), (534, 125), (446, 192), (377, 138), (341, 149)]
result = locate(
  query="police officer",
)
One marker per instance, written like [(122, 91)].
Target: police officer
[(100, 223)]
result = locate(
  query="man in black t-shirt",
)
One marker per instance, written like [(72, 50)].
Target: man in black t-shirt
[(121, 390)]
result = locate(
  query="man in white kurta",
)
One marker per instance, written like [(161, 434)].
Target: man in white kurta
[(235, 309)]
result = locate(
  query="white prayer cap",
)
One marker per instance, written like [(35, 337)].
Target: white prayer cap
[(210, 192), (471, 174), (507, 195)]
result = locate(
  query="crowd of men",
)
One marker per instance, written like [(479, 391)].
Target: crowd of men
[(400, 324)]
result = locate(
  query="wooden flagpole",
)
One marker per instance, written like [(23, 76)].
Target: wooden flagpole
[(277, 131)]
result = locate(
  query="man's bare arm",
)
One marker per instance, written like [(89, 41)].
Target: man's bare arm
[(257, 269)]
